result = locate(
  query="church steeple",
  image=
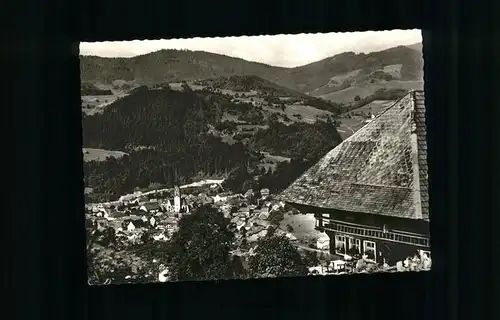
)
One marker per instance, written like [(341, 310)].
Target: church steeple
[(177, 198)]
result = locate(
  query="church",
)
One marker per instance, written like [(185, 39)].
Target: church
[(370, 193)]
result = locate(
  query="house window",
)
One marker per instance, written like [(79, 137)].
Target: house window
[(354, 246), (369, 249), (319, 223), (340, 244)]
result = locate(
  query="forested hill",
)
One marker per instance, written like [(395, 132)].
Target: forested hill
[(165, 133), (169, 137), (153, 118), (170, 66)]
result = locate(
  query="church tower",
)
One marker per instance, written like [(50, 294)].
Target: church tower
[(177, 199)]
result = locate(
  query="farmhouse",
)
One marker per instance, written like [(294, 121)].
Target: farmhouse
[(369, 194), (130, 227)]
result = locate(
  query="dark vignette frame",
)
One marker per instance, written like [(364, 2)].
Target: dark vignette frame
[(49, 273)]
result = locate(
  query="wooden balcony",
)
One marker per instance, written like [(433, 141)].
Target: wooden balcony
[(367, 232)]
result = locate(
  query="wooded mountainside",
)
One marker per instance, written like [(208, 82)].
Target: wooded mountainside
[(166, 135)]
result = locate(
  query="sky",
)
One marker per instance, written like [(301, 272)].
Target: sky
[(278, 50)]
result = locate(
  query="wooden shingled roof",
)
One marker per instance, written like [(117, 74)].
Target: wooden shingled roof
[(381, 169)]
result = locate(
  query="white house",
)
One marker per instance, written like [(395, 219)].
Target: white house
[(152, 221), (323, 242), (240, 224), (264, 193), (218, 198), (130, 227), (291, 237)]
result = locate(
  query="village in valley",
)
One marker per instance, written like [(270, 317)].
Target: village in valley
[(154, 216), (209, 172)]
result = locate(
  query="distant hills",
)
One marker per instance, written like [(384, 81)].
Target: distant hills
[(340, 78)]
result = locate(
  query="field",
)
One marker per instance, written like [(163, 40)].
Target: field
[(335, 82), (349, 126), (374, 107), (90, 154), (95, 104), (347, 95), (394, 70), (306, 113), (302, 224), (270, 161), (358, 117)]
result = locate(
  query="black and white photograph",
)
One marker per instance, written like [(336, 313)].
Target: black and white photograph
[(255, 157)]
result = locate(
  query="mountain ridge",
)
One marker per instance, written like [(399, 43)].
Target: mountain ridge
[(320, 79)]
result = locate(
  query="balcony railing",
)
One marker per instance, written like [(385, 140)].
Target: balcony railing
[(374, 233)]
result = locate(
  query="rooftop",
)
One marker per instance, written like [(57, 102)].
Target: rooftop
[(373, 171), (151, 205)]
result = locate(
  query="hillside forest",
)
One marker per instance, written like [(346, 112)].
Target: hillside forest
[(171, 137)]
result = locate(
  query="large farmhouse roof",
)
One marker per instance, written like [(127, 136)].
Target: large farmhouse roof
[(381, 169)]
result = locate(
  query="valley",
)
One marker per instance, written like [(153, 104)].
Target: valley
[(191, 140)]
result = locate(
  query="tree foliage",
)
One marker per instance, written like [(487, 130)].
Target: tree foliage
[(298, 140), (311, 258), (199, 250), (112, 266), (275, 256)]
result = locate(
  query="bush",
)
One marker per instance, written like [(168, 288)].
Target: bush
[(275, 256), (311, 258), (275, 217)]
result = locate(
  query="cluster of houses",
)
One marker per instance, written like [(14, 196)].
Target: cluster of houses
[(133, 215)]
